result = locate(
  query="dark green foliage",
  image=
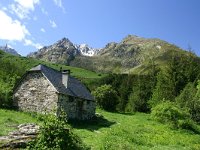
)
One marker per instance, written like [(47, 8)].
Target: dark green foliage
[(195, 110), (188, 124), (133, 91), (122, 84), (56, 134), (164, 90), (10, 72), (11, 69), (170, 113), (172, 80), (106, 97), (124, 88), (142, 90), (188, 99)]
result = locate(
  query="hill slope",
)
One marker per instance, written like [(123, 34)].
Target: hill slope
[(117, 131), (138, 131), (132, 52)]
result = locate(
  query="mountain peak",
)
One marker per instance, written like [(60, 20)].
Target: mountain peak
[(9, 49), (64, 42), (64, 50)]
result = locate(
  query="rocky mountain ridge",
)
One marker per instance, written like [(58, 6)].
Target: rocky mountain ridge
[(130, 53), (67, 45), (9, 50)]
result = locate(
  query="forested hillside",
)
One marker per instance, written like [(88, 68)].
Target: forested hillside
[(177, 83)]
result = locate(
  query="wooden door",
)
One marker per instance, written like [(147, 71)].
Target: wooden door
[(79, 109)]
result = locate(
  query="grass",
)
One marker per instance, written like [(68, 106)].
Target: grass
[(137, 131), (28, 63), (117, 131), (9, 120)]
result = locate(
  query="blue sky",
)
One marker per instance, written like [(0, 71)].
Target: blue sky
[(27, 25)]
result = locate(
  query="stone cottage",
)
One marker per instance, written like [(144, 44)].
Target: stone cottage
[(43, 89)]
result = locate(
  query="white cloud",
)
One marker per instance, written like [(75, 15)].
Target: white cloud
[(22, 8), (42, 29), (27, 4), (31, 43), (59, 4), (19, 11), (53, 24), (11, 29)]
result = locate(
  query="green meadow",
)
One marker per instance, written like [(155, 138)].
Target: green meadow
[(111, 131)]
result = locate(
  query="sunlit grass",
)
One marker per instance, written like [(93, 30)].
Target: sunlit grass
[(9, 120), (137, 131), (116, 131)]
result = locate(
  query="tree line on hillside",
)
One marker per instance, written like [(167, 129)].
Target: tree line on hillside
[(177, 83)]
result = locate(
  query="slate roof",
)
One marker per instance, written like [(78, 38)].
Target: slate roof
[(75, 88)]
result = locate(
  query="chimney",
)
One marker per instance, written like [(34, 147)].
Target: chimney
[(65, 77)]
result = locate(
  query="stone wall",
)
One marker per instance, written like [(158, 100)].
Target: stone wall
[(36, 94), (88, 109), (77, 108), (66, 104)]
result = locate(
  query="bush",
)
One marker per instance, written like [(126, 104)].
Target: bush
[(187, 95), (106, 97), (196, 105), (170, 113), (56, 134), (190, 98), (188, 124)]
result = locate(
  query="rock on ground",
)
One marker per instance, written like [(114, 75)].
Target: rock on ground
[(19, 138)]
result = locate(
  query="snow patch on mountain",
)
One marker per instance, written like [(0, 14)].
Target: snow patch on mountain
[(85, 50)]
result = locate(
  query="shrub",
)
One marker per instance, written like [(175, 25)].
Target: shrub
[(190, 98), (188, 124), (187, 95), (106, 97), (56, 134), (170, 113), (167, 112), (196, 105)]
